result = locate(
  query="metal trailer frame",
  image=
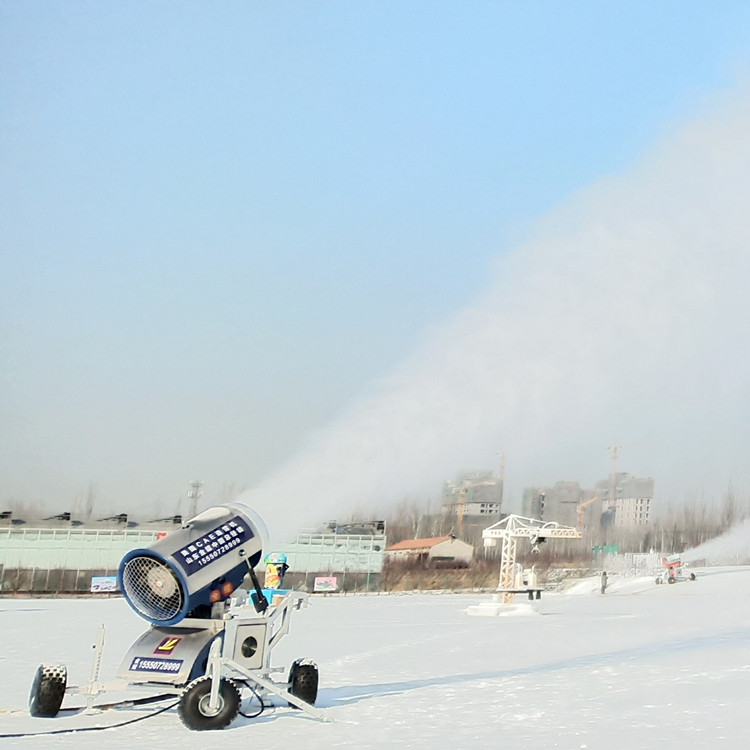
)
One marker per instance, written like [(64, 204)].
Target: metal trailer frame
[(241, 627), (226, 657)]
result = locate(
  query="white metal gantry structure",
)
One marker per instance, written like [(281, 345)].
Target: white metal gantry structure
[(510, 530)]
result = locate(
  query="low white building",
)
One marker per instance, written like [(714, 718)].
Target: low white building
[(437, 549)]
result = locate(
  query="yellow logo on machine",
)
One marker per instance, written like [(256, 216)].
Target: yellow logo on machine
[(167, 646)]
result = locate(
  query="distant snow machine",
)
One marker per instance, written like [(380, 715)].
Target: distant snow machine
[(208, 639), (673, 571)]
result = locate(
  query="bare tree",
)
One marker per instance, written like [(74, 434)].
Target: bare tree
[(728, 511)]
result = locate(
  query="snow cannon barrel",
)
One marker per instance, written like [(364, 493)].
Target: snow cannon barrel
[(187, 571)]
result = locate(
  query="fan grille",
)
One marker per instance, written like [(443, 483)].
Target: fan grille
[(152, 588)]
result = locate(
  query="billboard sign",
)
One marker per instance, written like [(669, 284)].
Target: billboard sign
[(325, 584), (103, 584)]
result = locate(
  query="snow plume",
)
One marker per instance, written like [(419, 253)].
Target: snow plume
[(625, 316), (732, 547)]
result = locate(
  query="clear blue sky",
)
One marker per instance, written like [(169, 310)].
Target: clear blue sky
[(221, 221)]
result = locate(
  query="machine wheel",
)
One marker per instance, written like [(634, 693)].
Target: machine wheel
[(692, 576), (48, 691), (194, 709), (658, 581), (303, 681), (671, 579)]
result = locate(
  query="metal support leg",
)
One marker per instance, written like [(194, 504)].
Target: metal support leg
[(213, 668), (507, 564), (96, 664)]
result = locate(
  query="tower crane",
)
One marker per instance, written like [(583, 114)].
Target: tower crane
[(509, 531)]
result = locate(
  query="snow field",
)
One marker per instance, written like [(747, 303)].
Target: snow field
[(643, 666)]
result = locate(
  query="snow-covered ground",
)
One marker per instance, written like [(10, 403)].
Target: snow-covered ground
[(643, 666)]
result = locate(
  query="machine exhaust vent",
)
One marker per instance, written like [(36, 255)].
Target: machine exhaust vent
[(152, 588)]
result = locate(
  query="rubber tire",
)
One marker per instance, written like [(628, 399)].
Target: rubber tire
[(194, 699), (303, 681), (692, 576), (671, 579), (658, 581), (48, 691)]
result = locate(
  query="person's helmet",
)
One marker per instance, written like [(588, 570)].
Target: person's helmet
[(275, 558)]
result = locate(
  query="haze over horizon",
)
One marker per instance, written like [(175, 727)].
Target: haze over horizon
[(624, 315), (325, 257)]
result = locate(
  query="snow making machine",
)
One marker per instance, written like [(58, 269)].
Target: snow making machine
[(209, 640), (673, 571)]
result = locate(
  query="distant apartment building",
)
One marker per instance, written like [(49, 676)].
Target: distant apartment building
[(563, 502), (569, 504), (632, 511), (630, 504), (473, 493)]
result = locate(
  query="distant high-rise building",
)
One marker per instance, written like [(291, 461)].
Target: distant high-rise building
[(631, 504), (568, 504), (557, 503), (473, 493)]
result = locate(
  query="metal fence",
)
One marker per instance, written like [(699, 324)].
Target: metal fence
[(64, 560), (336, 553), (56, 560), (355, 559)]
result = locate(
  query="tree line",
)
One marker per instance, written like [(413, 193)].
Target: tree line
[(673, 528)]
